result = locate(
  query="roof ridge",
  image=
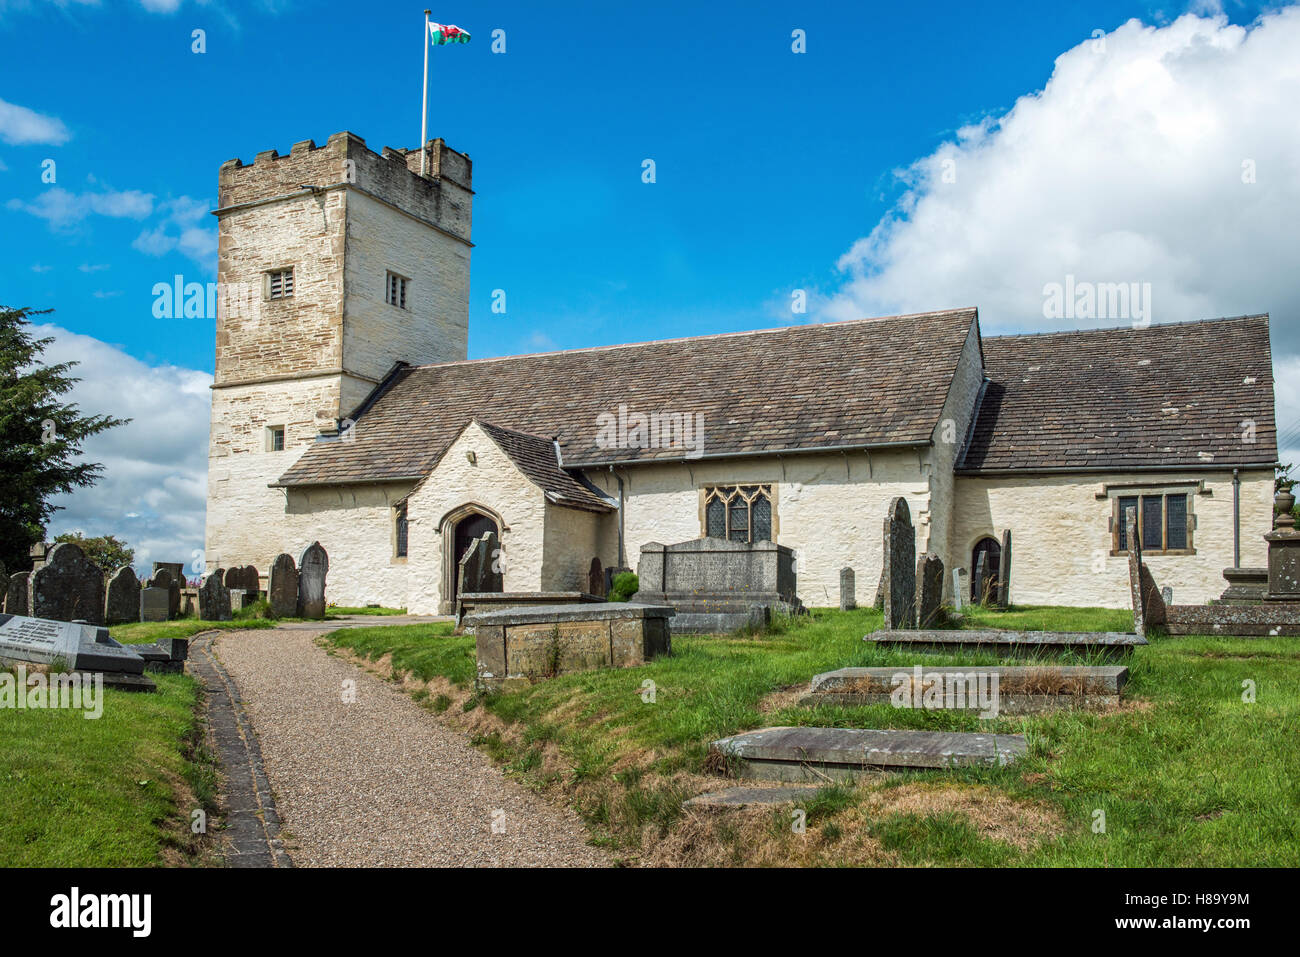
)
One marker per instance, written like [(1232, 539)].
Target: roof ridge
[(1131, 328), (972, 310)]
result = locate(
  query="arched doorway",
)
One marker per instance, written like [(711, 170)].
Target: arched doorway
[(990, 547), (459, 530)]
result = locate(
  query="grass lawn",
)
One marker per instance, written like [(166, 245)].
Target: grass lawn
[(1185, 773), (117, 791)]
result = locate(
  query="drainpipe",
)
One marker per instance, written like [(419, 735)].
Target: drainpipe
[(1236, 518), (622, 563)]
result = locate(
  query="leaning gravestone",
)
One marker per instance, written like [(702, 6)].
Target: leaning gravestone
[(312, 569), (16, 594), (957, 574), (155, 603), (979, 582), (478, 566), (1004, 572), (122, 603), (214, 597), (162, 578), (245, 577), (69, 587), (596, 579), (900, 567), (929, 589), (282, 586), (848, 600)]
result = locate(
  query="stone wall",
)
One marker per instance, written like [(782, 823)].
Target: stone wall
[(1062, 530)]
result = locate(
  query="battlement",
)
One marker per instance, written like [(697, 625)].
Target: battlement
[(444, 196)]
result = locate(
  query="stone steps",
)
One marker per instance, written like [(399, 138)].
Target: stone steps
[(828, 754), (1021, 689), (1097, 645)]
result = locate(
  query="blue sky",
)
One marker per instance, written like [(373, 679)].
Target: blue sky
[(775, 171)]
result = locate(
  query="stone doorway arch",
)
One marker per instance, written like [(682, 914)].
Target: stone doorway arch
[(990, 546), (458, 529)]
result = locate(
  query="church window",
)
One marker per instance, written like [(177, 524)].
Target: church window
[(399, 531), (275, 438), (1164, 521), (279, 283), (396, 290), (740, 513)]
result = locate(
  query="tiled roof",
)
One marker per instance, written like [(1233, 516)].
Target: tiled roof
[(863, 383), (535, 457), (1167, 395)]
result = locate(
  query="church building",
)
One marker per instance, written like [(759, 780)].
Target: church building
[(345, 411)]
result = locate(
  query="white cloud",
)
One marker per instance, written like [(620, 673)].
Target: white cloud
[(153, 489), (180, 230), (20, 126), (61, 208), (1129, 166)]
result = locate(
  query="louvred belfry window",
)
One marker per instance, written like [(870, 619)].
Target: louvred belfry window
[(740, 513), (279, 284)]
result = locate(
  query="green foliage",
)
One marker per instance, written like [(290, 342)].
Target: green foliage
[(41, 437), (1283, 482), (260, 609), (625, 585), (106, 551)]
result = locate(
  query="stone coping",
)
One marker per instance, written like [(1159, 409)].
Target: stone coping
[(545, 614), (1025, 679), (991, 636), (1264, 619), (850, 748), (550, 597)]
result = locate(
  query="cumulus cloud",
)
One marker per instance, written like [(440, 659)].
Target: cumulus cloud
[(181, 230), (20, 126), (153, 488), (62, 209), (1161, 155)]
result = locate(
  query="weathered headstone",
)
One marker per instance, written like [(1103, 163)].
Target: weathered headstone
[(78, 646), (68, 587), (312, 569), (929, 589), (1167, 594), (900, 566), (175, 569), (155, 603), (282, 586), (479, 566), (848, 599), (596, 579), (245, 577), (214, 597), (879, 602), (16, 594), (957, 587), (162, 578), (980, 581), (39, 553), (1004, 572), (1148, 605), (122, 602)]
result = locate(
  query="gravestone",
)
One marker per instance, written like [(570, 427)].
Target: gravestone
[(929, 589), (717, 585), (282, 586), (900, 566), (1148, 605), (1167, 594), (214, 597), (68, 587), (175, 569), (596, 579), (848, 600), (16, 594), (978, 583), (122, 603), (162, 578), (39, 553), (1004, 572), (879, 602), (479, 566), (957, 588), (312, 569), (245, 577), (80, 647), (155, 602)]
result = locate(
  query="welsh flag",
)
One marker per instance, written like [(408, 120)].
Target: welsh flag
[(442, 33)]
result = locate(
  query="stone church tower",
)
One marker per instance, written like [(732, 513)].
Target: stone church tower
[(335, 262)]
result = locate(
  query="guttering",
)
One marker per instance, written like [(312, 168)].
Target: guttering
[(758, 453), (1112, 469)]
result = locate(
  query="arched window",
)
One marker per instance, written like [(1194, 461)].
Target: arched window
[(739, 513)]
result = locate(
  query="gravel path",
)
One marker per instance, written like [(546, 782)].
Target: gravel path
[(380, 782)]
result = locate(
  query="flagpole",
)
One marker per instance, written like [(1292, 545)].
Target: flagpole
[(424, 112)]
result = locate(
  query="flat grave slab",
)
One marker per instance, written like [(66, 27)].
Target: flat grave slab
[(81, 647), (1266, 619), (751, 797), (1022, 689), (812, 754), (1105, 645)]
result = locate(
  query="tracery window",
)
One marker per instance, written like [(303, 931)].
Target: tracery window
[(739, 513)]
